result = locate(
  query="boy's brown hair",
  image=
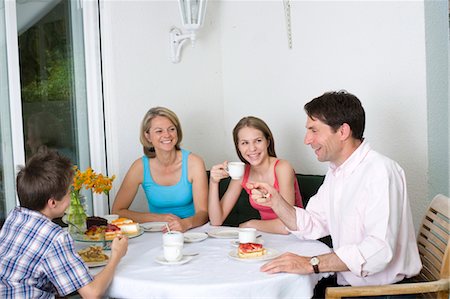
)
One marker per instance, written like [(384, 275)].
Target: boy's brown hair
[(45, 175)]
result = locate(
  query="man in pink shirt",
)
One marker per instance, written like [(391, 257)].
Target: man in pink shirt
[(363, 203)]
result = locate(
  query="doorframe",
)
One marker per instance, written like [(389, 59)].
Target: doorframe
[(97, 142), (15, 103)]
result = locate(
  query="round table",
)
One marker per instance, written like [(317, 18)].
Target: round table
[(212, 273)]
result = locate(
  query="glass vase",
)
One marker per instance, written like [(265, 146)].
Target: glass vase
[(76, 213)]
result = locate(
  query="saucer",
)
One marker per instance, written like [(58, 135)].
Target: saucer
[(194, 237), (153, 226), (161, 260), (224, 233)]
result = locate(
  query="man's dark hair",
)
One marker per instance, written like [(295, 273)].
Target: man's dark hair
[(336, 108), (45, 175)]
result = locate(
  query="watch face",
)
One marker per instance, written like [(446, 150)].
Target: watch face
[(314, 261)]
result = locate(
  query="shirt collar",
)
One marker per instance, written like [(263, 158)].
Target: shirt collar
[(353, 161), (32, 213)]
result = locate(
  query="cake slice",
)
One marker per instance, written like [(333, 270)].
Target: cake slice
[(94, 220), (127, 225), (112, 231), (251, 250)]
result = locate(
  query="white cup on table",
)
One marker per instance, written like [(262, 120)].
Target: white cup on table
[(236, 170), (247, 235), (173, 253), (173, 238)]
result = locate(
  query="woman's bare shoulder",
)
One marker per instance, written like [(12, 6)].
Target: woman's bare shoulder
[(284, 166), (137, 165), (194, 158)]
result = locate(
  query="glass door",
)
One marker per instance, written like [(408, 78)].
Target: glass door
[(55, 102)]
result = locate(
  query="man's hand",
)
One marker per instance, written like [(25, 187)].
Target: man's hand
[(289, 263), (263, 193), (266, 195)]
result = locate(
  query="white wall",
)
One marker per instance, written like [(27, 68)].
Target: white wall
[(241, 65)]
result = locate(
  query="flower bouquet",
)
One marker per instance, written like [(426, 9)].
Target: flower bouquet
[(89, 179)]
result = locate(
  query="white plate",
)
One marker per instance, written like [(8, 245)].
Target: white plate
[(99, 264), (235, 243), (224, 233), (270, 254), (153, 226), (84, 238), (161, 260), (194, 237)]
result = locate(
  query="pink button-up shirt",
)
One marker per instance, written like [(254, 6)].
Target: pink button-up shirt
[(363, 204)]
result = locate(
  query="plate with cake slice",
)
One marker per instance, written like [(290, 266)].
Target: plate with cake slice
[(253, 252), (95, 233)]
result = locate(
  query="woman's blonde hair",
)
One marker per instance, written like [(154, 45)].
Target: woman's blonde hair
[(149, 150)]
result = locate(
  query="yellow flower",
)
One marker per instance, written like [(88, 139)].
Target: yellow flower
[(89, 179)]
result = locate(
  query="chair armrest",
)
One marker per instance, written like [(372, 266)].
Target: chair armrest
[(393, 289)]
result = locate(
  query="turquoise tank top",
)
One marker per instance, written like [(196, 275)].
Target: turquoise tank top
[(176, 199)]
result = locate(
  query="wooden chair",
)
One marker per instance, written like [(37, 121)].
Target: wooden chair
[(433, 241)]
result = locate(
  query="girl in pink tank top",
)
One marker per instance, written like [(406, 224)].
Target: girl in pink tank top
[(255, 147)]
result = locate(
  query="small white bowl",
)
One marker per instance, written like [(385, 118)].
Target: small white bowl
[(111, 217)]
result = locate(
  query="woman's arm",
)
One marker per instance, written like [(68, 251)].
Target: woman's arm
[(197, 176), (126, 194), (286, 176), (220, 208), (274, 226)]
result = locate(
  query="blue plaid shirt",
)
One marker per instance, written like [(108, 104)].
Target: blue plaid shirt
[(38, 258)]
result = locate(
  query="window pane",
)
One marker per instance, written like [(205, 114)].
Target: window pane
[(46, 85), (52, 84)]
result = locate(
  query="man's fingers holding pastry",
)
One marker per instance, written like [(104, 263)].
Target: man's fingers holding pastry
[(260, 192)]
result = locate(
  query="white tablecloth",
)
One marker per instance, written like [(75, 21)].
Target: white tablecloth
[(211, 274)]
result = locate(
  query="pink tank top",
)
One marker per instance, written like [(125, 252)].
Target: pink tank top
[(266, 212)]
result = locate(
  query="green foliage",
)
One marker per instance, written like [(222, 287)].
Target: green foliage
[(54, 88), (46, 58)]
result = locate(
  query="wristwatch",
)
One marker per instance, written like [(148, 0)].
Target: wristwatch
[(314, 261)]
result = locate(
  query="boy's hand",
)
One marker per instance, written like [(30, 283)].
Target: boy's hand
[(119, 246)]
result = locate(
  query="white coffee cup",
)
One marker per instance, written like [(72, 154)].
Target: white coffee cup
[(173, 238), (236, 170), (247, 235), (173, 253)]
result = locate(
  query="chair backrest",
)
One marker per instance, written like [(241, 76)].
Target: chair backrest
[(309, 184), (433, 240)]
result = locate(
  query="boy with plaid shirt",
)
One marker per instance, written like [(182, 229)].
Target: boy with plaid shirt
[(37, 257)]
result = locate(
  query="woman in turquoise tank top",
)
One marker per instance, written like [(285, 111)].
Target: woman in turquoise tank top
[(173, 179), (255, 147)]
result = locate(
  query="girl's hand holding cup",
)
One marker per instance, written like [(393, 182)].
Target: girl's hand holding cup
[(218, 172)]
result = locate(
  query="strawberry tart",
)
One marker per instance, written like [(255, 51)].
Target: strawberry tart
[(251, 250)]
